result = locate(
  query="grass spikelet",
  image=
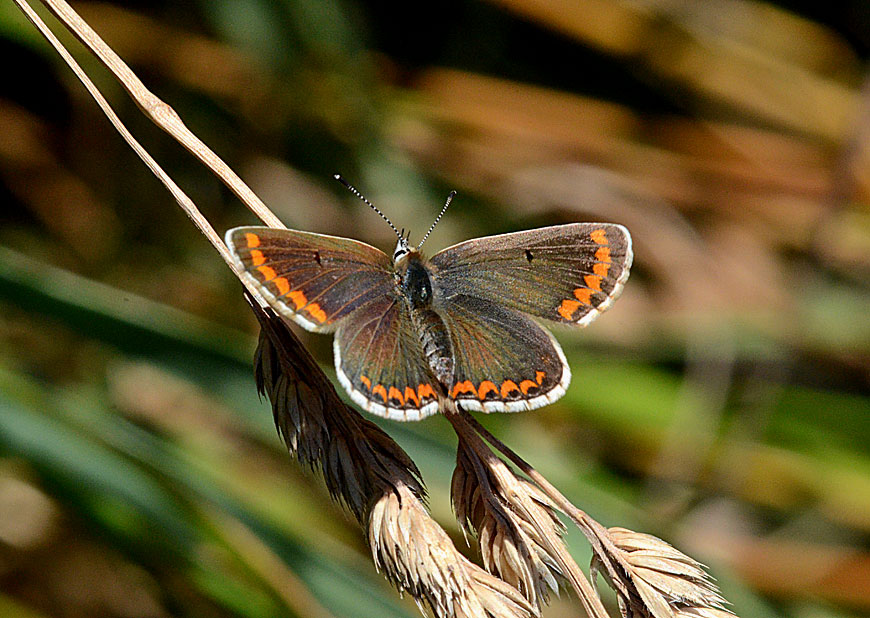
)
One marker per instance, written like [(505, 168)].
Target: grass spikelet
[(662, 582), (485, 499)]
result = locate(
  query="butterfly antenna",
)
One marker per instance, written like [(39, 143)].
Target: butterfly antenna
[(438, 218), (353, 190)]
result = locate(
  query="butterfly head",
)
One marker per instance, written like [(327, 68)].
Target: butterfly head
[(403, 248)]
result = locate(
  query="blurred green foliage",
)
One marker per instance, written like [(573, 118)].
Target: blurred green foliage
[(721, 404)]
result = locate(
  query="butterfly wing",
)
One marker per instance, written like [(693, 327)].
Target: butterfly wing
[(379, 361), (564, 273), (313, 279), (503, 360)]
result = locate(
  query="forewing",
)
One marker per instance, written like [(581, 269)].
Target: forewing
[(503, 360), (379, 361), (564, 273), (313, 279)]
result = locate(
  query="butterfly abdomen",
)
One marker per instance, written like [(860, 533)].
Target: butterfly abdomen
[(436, 345), (417, 289)]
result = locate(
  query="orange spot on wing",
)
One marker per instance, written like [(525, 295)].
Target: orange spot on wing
[(525, 385), (539, 376), (396, 394), (584, 295), (267, 272), (298, 298), (599, 236), (485, 388), (593, 281), (463, 387), (316, 312), (508, 387), (410, 395), (282, 284), (252, 239), (425, 390), (380, 390), (601, 269), (603, 254), (257, 257), (568, 307), (364, 379)]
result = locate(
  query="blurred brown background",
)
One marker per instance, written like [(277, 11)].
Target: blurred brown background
[(721, 404)]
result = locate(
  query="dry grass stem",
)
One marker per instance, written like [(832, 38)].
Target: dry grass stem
[(183, 200), (595, 533), (358, 460), (157, 110)]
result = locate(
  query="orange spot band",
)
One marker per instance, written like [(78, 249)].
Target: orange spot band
[(380, 390), (568, 308), (316, 312), (425, 390), (252, 239), (508, 387), (599, 236), (298, 298), (525, 385), (282, 284), (485, 388), (257, 257), (465, 387), (396, 394), (584, 295), (267, 272), (593, 281)]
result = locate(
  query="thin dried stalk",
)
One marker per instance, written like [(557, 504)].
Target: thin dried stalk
[(157, 110), (367, 471), (183, 200)]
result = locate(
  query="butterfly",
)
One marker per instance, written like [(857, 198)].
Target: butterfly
[(463, 324)]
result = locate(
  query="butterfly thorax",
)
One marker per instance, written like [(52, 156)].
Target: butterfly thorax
[(415, 283)]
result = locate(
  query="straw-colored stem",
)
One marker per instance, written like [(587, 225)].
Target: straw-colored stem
[(157, 110), (184, 201)]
